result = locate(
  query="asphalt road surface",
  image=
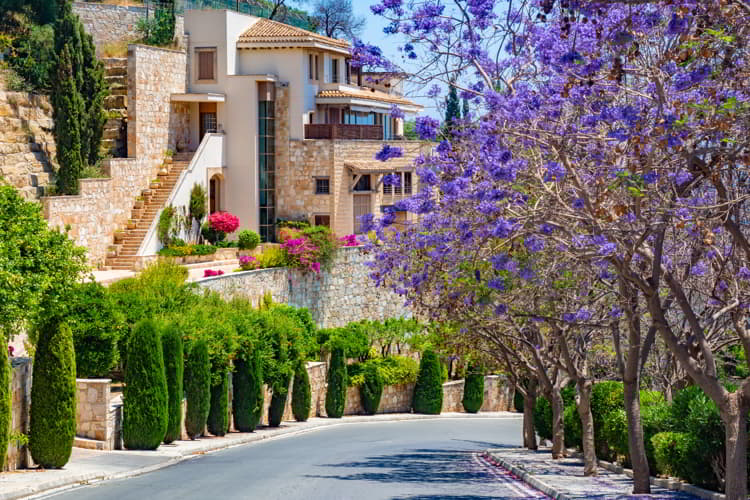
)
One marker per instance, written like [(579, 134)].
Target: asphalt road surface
[(416, 460)]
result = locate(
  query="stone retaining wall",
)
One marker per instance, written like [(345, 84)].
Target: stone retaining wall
[(20, 386), (117, 23), (97, 414), (105, 205), (334, 298)]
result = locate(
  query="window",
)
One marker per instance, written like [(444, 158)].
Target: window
[(363, 184), (407, 182), (404, 186), (348, 72), (334, 71), (206, 64), (323, 220), (322, 186), (317, 69), (267, 161), (311, 64)]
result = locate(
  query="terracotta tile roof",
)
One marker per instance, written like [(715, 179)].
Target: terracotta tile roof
[(372, 95), (268, 31), (403, 164)]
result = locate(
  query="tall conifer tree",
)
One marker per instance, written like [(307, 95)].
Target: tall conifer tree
[(68, 109)]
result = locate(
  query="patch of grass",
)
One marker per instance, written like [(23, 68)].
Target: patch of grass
[(118, 48)]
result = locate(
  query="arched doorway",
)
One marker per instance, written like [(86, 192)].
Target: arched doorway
[(214, 193)]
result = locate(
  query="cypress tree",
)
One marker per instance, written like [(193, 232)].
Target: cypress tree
[(5, 401), (372, 389), (93, 91), (218, 413), (145, 406), (474, 389), (197, 389), (171, 342), (465, 110), (337, 384), (53, 393), (67, 111), (452, 110), (278, 400), (247, 387), (301, 393), (428, 392)]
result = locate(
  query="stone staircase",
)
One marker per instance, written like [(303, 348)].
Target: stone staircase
[(115, 138), (123, 254)]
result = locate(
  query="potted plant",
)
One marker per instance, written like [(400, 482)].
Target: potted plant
[(168, 154)]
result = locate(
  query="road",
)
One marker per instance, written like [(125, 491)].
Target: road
[(417, 460)]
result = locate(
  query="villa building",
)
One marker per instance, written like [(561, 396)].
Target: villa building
[(284, 127)]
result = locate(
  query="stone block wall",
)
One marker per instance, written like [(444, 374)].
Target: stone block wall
[(104, 205), (395, 399), (116, 23), (20, 386), (27, 145), (453, 394), (93, 403), (334, 298)]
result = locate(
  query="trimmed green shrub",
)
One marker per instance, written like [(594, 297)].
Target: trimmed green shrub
[(395, 370), (5, 401), (247, 387), (606, 397), (171, 342), (301, 393), (518, 401), (278, 401), (218, 413), (473, 389), (371, 389), (197, 205), (543, 418), (428, 392), (145, 407), (53, 391), (672, 453), (197, 389), (337, 384), (248, 240), (573, 427)]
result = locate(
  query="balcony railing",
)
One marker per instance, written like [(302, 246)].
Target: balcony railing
[(341, 131)]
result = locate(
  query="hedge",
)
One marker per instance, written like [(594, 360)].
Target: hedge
[(337, 384), (218, 413), (145, 406), (473, 389), (5, 410), (197, 389), (395, 370), (53, 390), (278, 401), (301, 394), (371, 389), (171, 342), (247, 387), (606, 397), (428, 392)]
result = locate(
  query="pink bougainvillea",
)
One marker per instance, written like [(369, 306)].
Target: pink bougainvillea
[(248, 262), (210, 273), (301, 252), (350, 240), (224, 222)]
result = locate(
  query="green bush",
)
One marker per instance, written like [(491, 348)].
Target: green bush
[(395, 370), (212, 235), (473, 389), (247, 386), (248, 240), (218, 413), (371, 389), (5, 400), (171, 342), (197, 206), (672, 453), (543, 418), (301, 394), (606, 397), (428, 392), (325, 241), (573, 426), (53, 391), (145, 406), (337, 384), (271, 257), (278, 401), (197, 389), (97, 326)]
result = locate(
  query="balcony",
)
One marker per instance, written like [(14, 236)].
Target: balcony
[(346, 132)]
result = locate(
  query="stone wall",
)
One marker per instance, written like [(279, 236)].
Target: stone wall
[(20, 386), (395, 399), (117, 23), (104, 205), (334, 298), (27, 145), (97, 414)]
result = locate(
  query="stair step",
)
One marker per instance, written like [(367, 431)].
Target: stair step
[(116, 101)]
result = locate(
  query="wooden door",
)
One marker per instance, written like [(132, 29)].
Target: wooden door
[(361, 207), (207, 118)]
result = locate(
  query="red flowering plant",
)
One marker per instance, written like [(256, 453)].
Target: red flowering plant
[(210, 273), (224, 222)]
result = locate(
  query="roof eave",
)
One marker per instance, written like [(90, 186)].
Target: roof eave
[(307, 44), (407, 108)]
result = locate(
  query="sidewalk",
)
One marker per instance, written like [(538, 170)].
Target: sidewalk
[(564, 480), (90, 465)]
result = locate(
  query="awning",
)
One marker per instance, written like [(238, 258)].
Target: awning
[(380, 167), (209, 97)]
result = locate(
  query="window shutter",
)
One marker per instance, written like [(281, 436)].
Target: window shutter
[(206, 65)]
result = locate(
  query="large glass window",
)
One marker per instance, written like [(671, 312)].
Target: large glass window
[(267, 163)]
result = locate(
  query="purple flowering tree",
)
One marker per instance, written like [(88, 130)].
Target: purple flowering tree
[(613, 133)]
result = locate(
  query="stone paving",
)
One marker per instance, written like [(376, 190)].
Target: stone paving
[(564, 480)]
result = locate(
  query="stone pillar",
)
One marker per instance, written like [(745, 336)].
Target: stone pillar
[(20, 386), (93, 411)]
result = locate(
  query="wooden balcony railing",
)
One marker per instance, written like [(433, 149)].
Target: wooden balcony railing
[(341, 131)]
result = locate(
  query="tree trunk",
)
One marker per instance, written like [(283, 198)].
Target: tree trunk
[(735, 420), (636, 448), (587, 427), (558, 426), (529, 433)]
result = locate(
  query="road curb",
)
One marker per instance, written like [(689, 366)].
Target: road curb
[(60, 484), (527, 477)]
